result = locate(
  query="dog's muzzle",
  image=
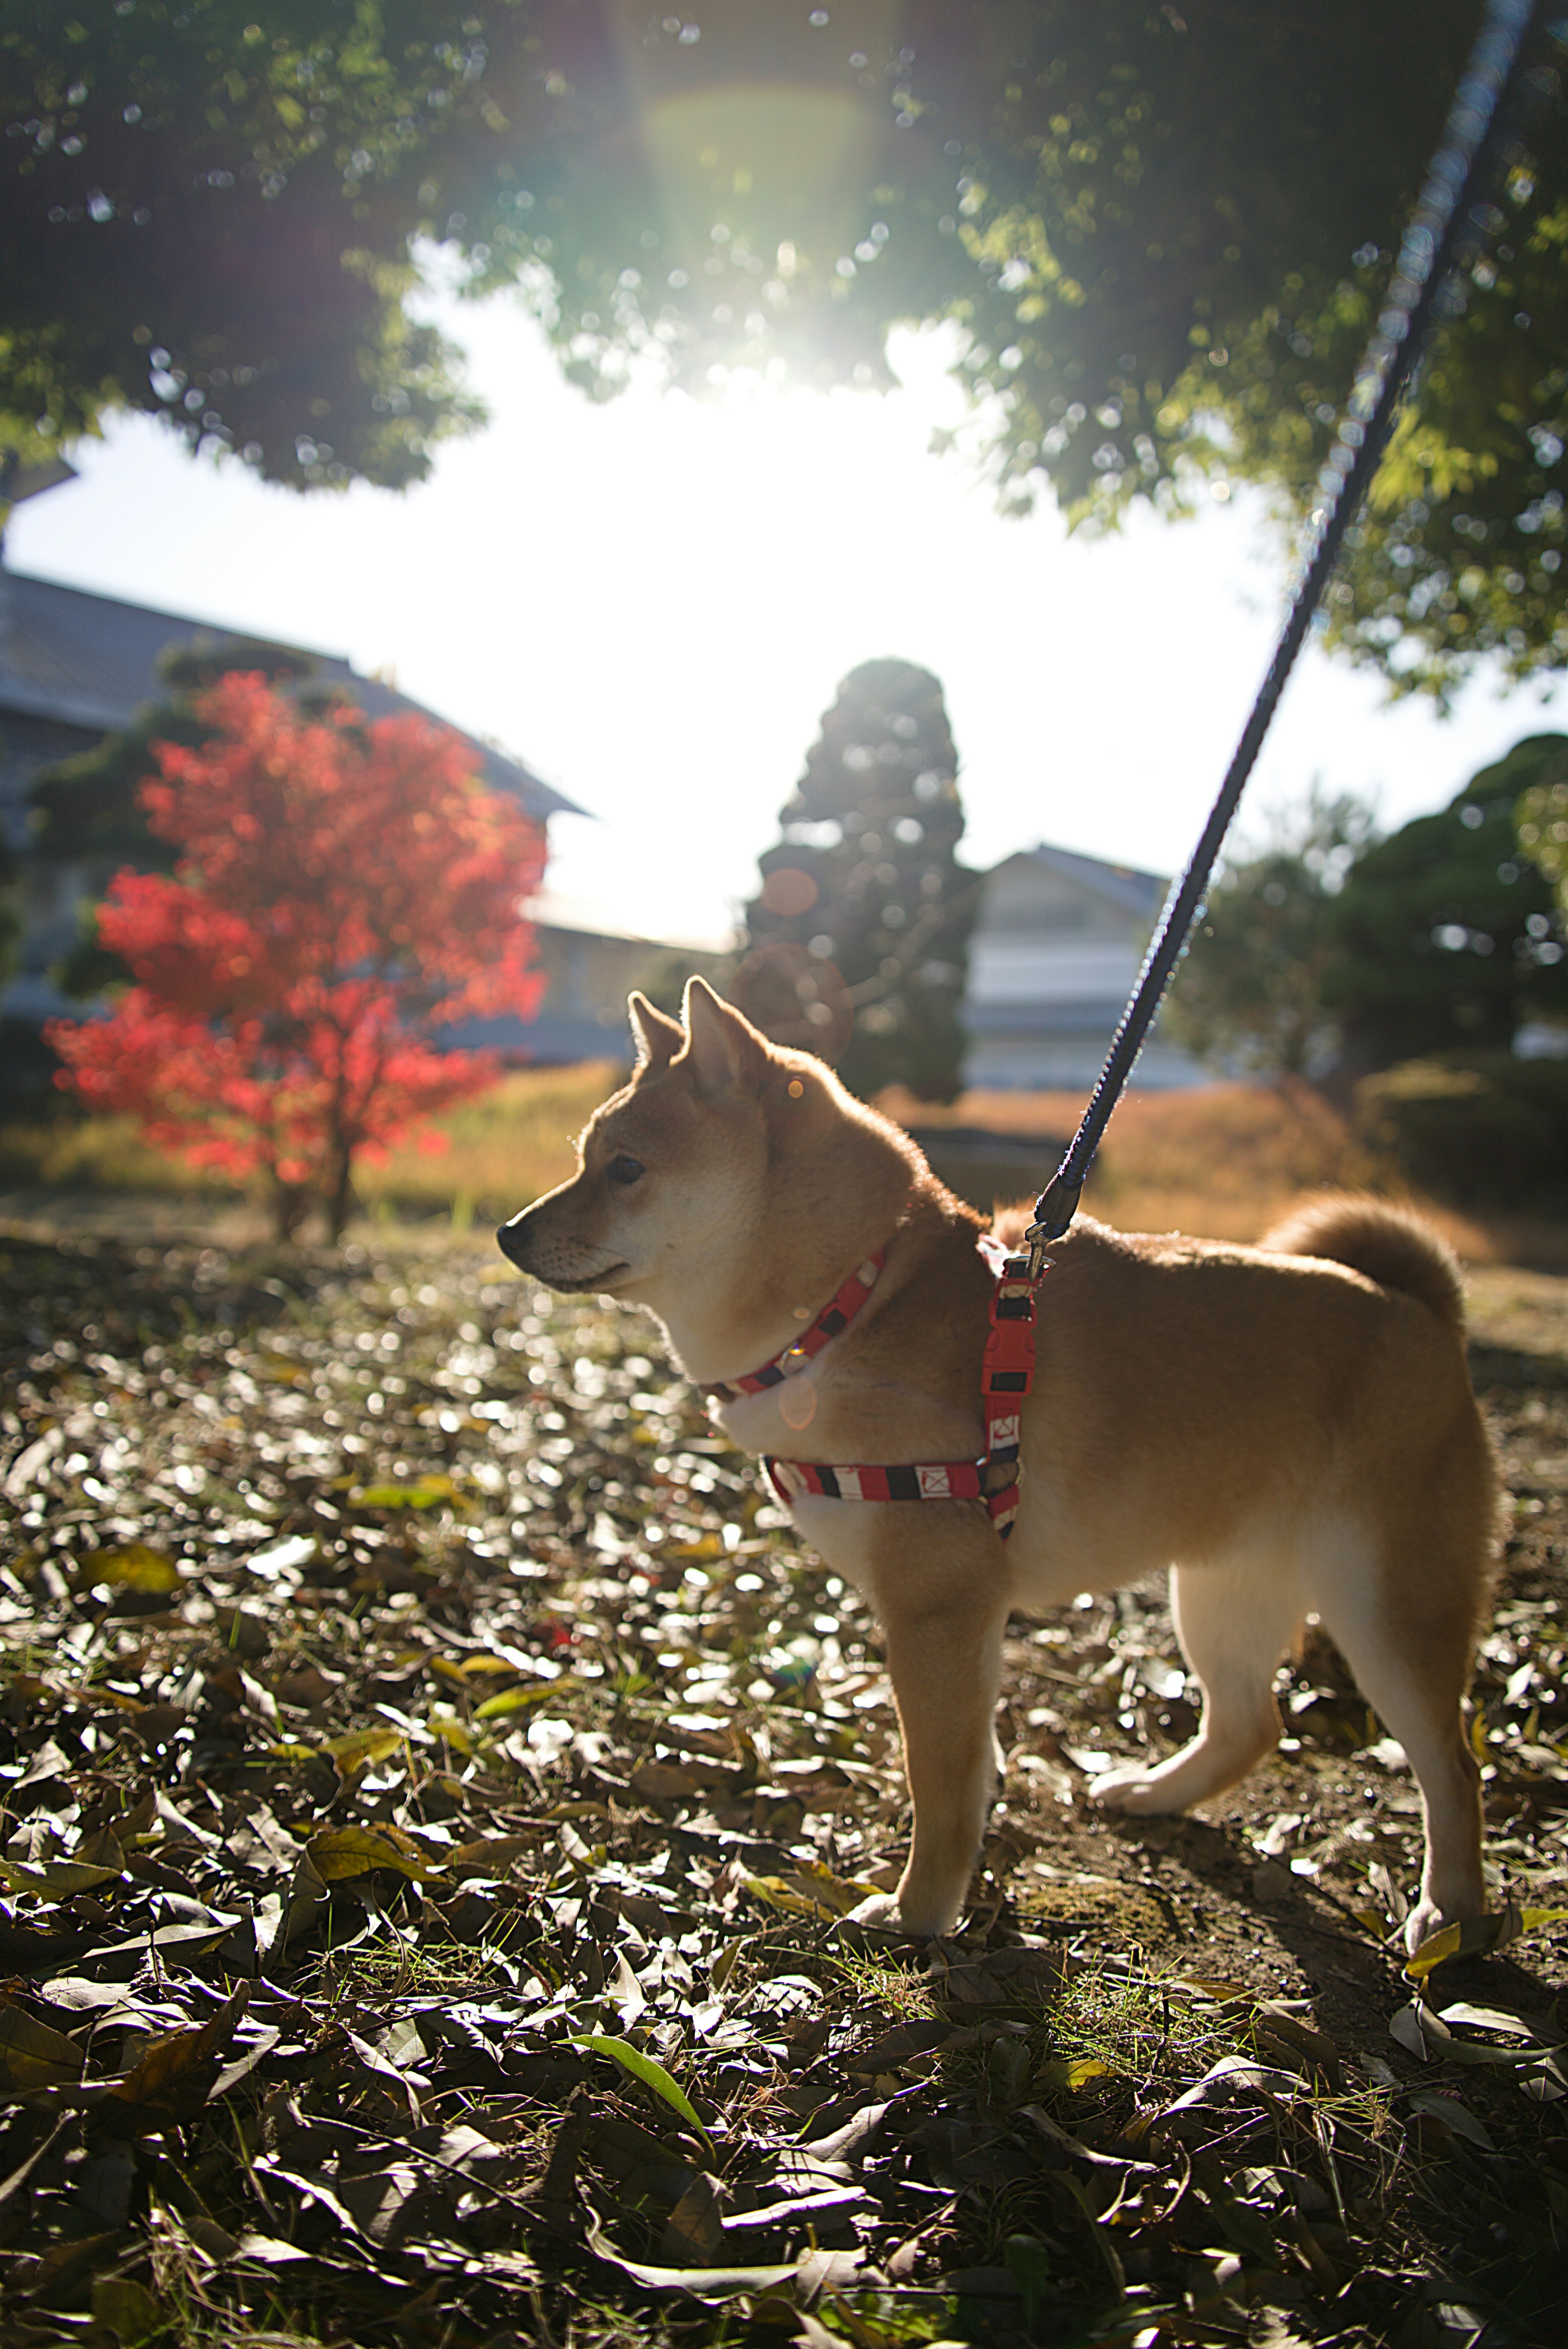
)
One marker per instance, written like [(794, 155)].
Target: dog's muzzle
[(558, 1263)]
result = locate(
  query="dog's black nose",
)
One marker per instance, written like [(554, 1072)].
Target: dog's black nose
[(509, 1239)]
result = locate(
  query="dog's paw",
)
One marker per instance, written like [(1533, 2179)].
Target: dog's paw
[(1422, 1923), (1141, 1794), (1427, 1919), (880, 1911), (885, 1913)]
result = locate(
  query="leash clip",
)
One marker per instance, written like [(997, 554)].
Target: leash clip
[(1054, 1211)]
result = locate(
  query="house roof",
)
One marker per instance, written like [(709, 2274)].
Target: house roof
[(585, 917), (1126, 886), (92, 661)]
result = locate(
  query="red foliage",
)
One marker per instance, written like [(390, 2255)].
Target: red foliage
[(344, 889)]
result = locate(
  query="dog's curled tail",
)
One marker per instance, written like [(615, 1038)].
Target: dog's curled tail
[(1389, 1244)]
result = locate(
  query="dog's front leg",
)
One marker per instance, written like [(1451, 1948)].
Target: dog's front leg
[(937, 1576)]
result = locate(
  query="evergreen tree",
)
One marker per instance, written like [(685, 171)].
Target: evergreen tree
[(858, 940), (1448, 934)]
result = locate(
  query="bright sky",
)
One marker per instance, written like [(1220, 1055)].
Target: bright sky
[(651, 604)]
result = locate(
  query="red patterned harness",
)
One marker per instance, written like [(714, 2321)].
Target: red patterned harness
[(1006, 1375)]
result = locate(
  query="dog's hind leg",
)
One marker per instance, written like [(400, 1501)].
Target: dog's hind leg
[(1234, 1622), (1406, 1626), (937, 1576)]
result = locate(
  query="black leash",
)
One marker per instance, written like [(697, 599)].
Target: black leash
[(1448, 219)]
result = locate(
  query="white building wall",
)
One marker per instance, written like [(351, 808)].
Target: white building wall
[(1053, 960), (1044, 972)]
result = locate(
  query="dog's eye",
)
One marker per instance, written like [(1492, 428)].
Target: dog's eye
[(625, 1168)]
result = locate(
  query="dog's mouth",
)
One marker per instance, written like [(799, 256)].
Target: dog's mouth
[(574, 1281), (569, 1283), (553, 1263)]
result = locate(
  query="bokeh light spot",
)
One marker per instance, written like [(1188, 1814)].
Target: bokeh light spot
[(788, 892)]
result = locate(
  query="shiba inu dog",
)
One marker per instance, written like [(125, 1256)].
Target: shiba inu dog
[(1287, 1428)]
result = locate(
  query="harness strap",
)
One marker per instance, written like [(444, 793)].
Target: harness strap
[(1006, 1375)]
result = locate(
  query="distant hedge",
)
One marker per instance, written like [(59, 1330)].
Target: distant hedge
[(1482, 1130)]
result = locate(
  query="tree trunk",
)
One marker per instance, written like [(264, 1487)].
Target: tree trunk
[(289, 1202), (337, 1202)]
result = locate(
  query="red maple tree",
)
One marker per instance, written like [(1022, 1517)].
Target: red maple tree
[(343, 890)]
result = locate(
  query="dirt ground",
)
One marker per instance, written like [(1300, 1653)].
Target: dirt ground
[(398, 1654)]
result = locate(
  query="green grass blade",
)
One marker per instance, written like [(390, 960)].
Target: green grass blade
[(651, 2074)]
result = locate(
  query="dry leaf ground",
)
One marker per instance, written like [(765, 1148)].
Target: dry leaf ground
[(432, 1778)]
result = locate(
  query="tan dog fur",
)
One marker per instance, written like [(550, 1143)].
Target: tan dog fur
[(1288, 1428)]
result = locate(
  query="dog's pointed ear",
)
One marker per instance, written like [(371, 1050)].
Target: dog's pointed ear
[(659, 1038), (726, 1053)]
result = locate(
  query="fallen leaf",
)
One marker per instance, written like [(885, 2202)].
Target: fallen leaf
[(102, 1849), (810, 1892), (1418, 2029), (307, 1895), (897, 2046), (1285, 2037), (32, 2056), (1449, 2110), (702, 2282), (693, 2235), (672, 1781), (134, 1567), (363, 1745), (488, 1855), (517, 1700), (795, 2209), (128, 2309), (270, 2250), (343, 1852), (25, 2169), (851, 2136), (1059, 2135), (175, 2075), (1231, 2072), (423, 1494), (778, 1892), (1488, 2018), (1074, 2073), (57, 1878)]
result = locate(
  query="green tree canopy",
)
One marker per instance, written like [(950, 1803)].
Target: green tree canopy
[(207, 215), (1541, 820), (1162, 233), (1445, 931), (858, 940), (1250, 992)]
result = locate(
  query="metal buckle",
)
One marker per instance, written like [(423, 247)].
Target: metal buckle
[(1054, 1211)]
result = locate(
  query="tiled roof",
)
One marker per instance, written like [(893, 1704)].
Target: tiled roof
[(91, 661), (1128, 887)]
